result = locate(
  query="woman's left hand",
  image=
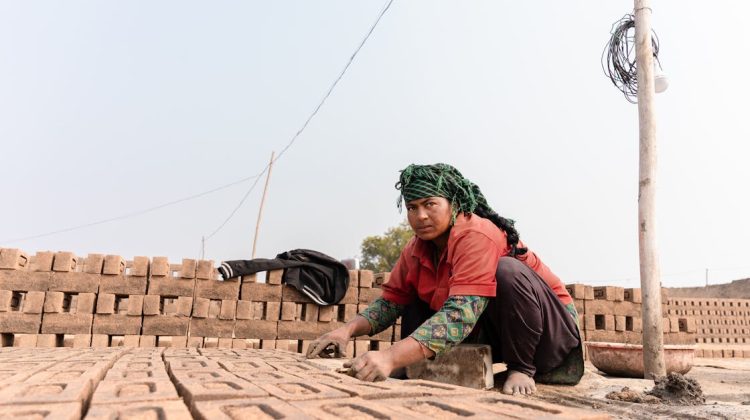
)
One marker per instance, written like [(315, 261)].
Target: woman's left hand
[(372, 366)]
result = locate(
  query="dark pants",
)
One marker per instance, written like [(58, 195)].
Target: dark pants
[(528, 327)]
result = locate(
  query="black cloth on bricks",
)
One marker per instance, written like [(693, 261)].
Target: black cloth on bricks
[(320, 277)]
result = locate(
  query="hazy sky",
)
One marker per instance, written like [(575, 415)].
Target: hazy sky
[(108, 108)]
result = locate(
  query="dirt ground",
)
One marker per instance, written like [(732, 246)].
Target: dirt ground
[(725, 384)]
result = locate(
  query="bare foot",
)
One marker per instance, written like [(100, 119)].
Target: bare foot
[(519, 383)]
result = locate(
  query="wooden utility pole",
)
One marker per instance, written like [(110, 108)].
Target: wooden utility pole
[(262, 202), (653, 339)]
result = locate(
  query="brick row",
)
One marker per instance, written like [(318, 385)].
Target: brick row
[(59, 299)]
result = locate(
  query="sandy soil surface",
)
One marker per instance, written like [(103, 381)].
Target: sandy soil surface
[(725, 384)]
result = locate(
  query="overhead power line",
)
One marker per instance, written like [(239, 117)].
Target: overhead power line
[(135, 213), (307, 121), (255, 177)]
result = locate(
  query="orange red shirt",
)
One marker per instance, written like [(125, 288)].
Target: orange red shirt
[(466, 267)]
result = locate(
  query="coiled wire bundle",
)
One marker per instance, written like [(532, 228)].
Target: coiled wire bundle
[(619, 58)]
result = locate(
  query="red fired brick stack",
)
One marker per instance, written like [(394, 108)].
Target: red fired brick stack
[(61, 300)]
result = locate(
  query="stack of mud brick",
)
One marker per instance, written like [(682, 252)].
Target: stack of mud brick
[(45, 299), (723, 325), (613, 314), (56, 299), (61, 300), (275, 315)]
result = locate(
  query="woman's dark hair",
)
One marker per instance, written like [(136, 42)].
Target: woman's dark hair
[(507, 225)]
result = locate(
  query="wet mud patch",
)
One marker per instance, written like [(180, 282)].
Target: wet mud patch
[(674, 389), (628, 395)]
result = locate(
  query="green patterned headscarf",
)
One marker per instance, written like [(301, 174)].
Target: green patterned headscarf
[(440, 180), (443, 180)]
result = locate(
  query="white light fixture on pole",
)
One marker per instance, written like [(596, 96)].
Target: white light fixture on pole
[(661, 82)]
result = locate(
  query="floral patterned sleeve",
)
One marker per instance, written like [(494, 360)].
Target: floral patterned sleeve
[(451, 324), (382, 314)]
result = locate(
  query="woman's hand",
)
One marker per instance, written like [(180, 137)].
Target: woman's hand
[(332, 344), (372, 366)]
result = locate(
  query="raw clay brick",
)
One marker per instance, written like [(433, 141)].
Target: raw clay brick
[(123, 285), (228, 309), (51, 392), (74, 282), (188, 268), (354, 408), (171, 286), (63, 411), (105, 303), (260, 292), (200, 307), (633, 295), (23, 281), (326, 313), (113, 265), (116, 392), (64, 261), (139, 267), (160, 267), (41, 261), (253, 328), (211, 327), (576, 291), (366, 279), (53, 302), (275, 276), (216, 289), (224, 387), (244, 309), (351, 296), (468, 365), (162, 410), (165, 325), (28, 303), (381, 278), (247, 409), (302, 390), (67, 323), (205, 270), (13, 259), (151, 305), (115, 324)]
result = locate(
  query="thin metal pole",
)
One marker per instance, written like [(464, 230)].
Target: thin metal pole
[(262, 202), (653, 339), (203, 247), (707, 277)]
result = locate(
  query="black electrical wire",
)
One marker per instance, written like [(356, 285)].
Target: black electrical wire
[(255, 177), (307, 121), (619, 58), (135, 213)]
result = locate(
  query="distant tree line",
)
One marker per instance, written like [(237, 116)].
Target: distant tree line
[(379, 253)]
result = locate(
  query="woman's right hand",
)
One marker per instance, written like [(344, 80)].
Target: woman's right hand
[(332, 344)]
